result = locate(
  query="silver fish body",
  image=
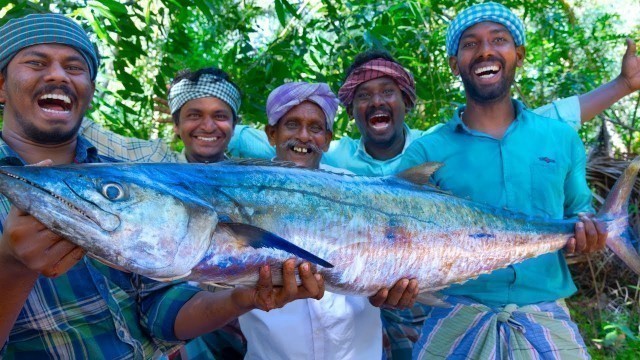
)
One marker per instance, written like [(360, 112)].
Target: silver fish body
[(220, 222)]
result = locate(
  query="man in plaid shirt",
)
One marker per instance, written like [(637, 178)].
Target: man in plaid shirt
[(57, 302)]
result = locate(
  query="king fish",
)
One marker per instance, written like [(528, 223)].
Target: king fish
[(218, 223)]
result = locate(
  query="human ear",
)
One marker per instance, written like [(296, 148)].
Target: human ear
[(453, 64), (520, 54), (271, 134)]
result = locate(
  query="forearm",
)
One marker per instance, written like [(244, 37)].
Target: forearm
[(16, 283), (596, 101), (207, 311)]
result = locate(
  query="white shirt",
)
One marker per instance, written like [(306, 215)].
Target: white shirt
[(335, 327)]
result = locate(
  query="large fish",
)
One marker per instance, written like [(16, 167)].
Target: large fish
[(219, 222)]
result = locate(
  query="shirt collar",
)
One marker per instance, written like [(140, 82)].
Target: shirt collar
[(85, 151), (459, 126), (362, 151)]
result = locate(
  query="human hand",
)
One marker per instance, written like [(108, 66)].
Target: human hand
[(267, 297), (402, 295), (630, 70), (28, 246), (162, 106), (590, 235)]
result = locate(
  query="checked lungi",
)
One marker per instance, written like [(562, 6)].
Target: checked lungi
[(469, 330)]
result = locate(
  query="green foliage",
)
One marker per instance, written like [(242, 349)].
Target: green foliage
[(611, 334), (144, 43), (571, 48)]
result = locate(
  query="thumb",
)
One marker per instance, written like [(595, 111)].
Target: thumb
[(631, 48)]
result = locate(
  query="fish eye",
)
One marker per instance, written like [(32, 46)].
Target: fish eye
[(113, 191)]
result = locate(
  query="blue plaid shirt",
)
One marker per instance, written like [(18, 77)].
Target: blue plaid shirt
[(94, 311)]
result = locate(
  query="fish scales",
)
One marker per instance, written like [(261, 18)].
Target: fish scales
[(219, 223)]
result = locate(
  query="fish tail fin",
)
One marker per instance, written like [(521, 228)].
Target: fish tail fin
[(615, 213)]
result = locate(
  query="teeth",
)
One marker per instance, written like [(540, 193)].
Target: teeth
[(206, 138), (64, 98), (379, 115), (493, 68), (300, 150), (55, 111)]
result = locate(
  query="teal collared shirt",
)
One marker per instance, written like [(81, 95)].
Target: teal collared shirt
[(345, 153), (350, 154), (537, 168)]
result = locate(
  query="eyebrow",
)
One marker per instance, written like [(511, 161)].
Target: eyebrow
[(45, 56), (492, 31)]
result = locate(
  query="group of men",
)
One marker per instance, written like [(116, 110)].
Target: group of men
[(59, 303)]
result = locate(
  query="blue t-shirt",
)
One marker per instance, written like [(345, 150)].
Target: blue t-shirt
[(537, 168)]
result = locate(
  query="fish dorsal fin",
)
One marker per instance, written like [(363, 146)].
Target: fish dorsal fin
[(420, 174), (260, 238)]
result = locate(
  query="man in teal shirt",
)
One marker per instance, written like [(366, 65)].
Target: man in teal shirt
[(499, 153)]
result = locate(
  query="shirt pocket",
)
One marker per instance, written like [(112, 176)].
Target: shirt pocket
[(547, 190)]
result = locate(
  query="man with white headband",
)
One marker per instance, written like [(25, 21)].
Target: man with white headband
[(527, 163), (204, 107)]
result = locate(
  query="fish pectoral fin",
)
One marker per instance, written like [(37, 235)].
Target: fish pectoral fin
[(172, 278), (420, 174), (432, 299), (260, 238), (214, 286)]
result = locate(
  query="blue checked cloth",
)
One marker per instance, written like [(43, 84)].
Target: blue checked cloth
[(489, 11)]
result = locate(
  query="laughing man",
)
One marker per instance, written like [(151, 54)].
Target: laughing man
[(499, 153)]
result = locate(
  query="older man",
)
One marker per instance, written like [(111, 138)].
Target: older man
[(519, 161), (300, 119), (58, 303)]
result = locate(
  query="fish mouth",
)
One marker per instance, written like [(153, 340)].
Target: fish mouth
[(65, 204)]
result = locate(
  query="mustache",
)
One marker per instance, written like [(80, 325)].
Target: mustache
[(49, 88), (373, 110), (490, 58), (297, 143)]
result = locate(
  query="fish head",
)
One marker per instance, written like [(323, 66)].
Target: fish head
[(117, 213)]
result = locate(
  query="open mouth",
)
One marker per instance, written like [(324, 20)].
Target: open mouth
[(301, 149), (59, 198), (486, 72), (380, 121), (207, 138), (55, 103)]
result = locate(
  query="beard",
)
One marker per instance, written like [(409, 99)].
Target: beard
[(487, 94), (47, 137)]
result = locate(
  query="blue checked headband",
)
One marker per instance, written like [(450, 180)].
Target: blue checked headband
[(36, 29), (489, 11), (208, 85)]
